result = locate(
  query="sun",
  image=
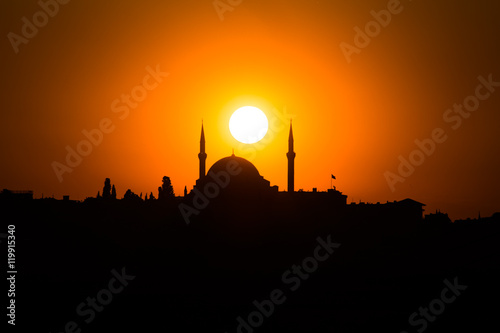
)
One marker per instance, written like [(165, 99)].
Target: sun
[(248, 124)]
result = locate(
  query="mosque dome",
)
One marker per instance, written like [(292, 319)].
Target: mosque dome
[(235, 174), (241, 166)]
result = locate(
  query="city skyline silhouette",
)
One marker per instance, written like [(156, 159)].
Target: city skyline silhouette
[(257, 166), (243, 253), (251, 178), (358, 120)]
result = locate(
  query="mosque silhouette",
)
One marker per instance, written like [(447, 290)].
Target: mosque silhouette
[(233, 182), (246, 178)]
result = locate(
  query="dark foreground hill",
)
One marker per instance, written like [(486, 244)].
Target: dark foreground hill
[(138, 267)]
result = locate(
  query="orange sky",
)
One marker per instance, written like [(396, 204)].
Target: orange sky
[(353, 119)]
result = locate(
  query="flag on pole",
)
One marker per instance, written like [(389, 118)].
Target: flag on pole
[(333, 177)]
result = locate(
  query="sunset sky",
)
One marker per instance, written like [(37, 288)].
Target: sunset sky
[(353, 115)]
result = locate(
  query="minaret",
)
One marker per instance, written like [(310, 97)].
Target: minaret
[(291, 156), (202, 155)]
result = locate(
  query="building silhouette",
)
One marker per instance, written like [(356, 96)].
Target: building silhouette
[(232, 180), (246, 178), (291, 157), (202, 155), (16, 195)]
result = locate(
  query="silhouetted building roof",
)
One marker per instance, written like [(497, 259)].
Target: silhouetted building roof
[(247, 168), (493, 218), (233, 174), (437, 217), (16, 195)]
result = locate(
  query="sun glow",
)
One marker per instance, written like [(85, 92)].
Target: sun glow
[(248, 124)]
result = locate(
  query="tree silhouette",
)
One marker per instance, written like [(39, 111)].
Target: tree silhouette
[(166, 191), (151, 196), (131, 196), (106, 191), (113, 192)]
